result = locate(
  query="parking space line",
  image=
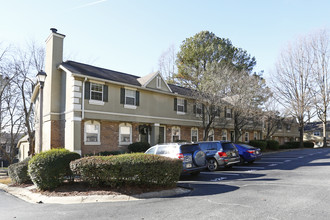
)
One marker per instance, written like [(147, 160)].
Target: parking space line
[(266, 162), (273, 165), (242, 167)]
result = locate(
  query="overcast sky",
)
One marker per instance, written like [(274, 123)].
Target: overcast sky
[(130, 35)]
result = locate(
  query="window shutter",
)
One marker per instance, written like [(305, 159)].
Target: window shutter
[(87, 90), (175, 104), (122, 96), (105, 93), (194, 110), (185, 105), (137, 96)]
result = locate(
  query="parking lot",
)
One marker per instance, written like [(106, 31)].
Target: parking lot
[(284, 185)]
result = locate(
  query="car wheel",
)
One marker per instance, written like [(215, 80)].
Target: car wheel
[(199, 158), (212, 164), (241, 160)]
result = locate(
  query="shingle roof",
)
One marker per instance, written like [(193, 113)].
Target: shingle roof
[(101, 73), (106, 74), (316, 126)]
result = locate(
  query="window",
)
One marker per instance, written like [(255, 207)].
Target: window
[(130, 98), (92, 133), (228, 113), (288, 127), (317, 133), (211, 135), (96, 91), (158, 82), (246, 137), (255, 135), (194, 134), (198, 109), (125, 134), (279, 126), (224, 135), (180, 105), (175, 134)]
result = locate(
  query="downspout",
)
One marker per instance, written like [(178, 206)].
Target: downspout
[(83, 101)]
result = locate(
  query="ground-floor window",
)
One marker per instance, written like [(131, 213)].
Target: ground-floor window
[(125, 134), (92, 132), (246, 138), (194, 134), (255, 135), (224, 135), (175, 134), (211, 135)]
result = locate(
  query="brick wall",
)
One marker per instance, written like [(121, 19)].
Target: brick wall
[(57, 134)]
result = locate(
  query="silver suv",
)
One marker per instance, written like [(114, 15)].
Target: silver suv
[(193, 158), (219, 153)]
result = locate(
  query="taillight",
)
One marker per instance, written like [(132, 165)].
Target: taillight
[(180, 156), (251, 151), (222, 154)]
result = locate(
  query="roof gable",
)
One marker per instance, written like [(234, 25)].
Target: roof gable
[(150, 81)]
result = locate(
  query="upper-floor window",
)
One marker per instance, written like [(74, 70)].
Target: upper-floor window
[(180, 105), (130, 98), (158, 82), (194, 134), (279, 126), (317, 133), (228, 113), (96, 93), (125, 134), (288, 127), (92, 133)]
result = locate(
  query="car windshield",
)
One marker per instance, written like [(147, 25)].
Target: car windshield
[(151, 150)]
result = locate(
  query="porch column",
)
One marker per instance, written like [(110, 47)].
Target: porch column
[(154, 134)]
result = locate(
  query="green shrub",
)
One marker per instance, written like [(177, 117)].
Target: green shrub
[(18, 172), (138, 147), (296, 144), (104, 153), (259, 144), (128, 169), (48, 169), (273, 145)]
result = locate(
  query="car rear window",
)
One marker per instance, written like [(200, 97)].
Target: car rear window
[(188, 148), (228, 146), (166, 149), (247, 146)]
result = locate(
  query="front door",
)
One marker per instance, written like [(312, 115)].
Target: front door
[(144, 133), (161, 135)]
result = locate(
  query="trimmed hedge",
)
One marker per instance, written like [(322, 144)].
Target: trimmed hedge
[(273, 145), (104, 153), (18, 172), (128, 169), (48, 169), (259, 144), (138, 147), (296, 144)]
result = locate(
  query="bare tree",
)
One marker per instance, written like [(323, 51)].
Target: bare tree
[(320, 46), (167, 65), (292, 82)]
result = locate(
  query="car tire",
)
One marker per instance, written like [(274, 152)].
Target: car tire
[(199, 158), (212, 164), (241, 161)]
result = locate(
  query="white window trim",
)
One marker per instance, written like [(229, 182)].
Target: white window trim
[(130, 138), (129, 105), (98, 135), (248, 137), (191, 132), (177, 107), (175, 127), (228, 113), (211, 131), (95, 102), (90, 92)]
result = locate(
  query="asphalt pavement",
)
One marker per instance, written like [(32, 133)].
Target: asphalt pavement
[(284, 185)]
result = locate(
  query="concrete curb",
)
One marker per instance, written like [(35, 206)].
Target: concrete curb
[(31, 197)]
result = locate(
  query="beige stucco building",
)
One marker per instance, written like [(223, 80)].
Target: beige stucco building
[(88, 109)]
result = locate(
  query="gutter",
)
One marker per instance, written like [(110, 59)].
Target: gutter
[(83, 100)]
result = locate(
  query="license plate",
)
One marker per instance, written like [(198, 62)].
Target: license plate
[(188, 165)]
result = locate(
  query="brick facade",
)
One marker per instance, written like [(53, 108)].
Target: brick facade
[(57, 131)]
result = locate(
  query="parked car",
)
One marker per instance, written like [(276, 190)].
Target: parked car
[(193, 158), (219, 153), (248, 153)]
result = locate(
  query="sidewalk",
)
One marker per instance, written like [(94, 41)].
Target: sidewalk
[(32, 197)]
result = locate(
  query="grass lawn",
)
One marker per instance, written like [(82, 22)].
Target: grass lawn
[(6, 180)]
